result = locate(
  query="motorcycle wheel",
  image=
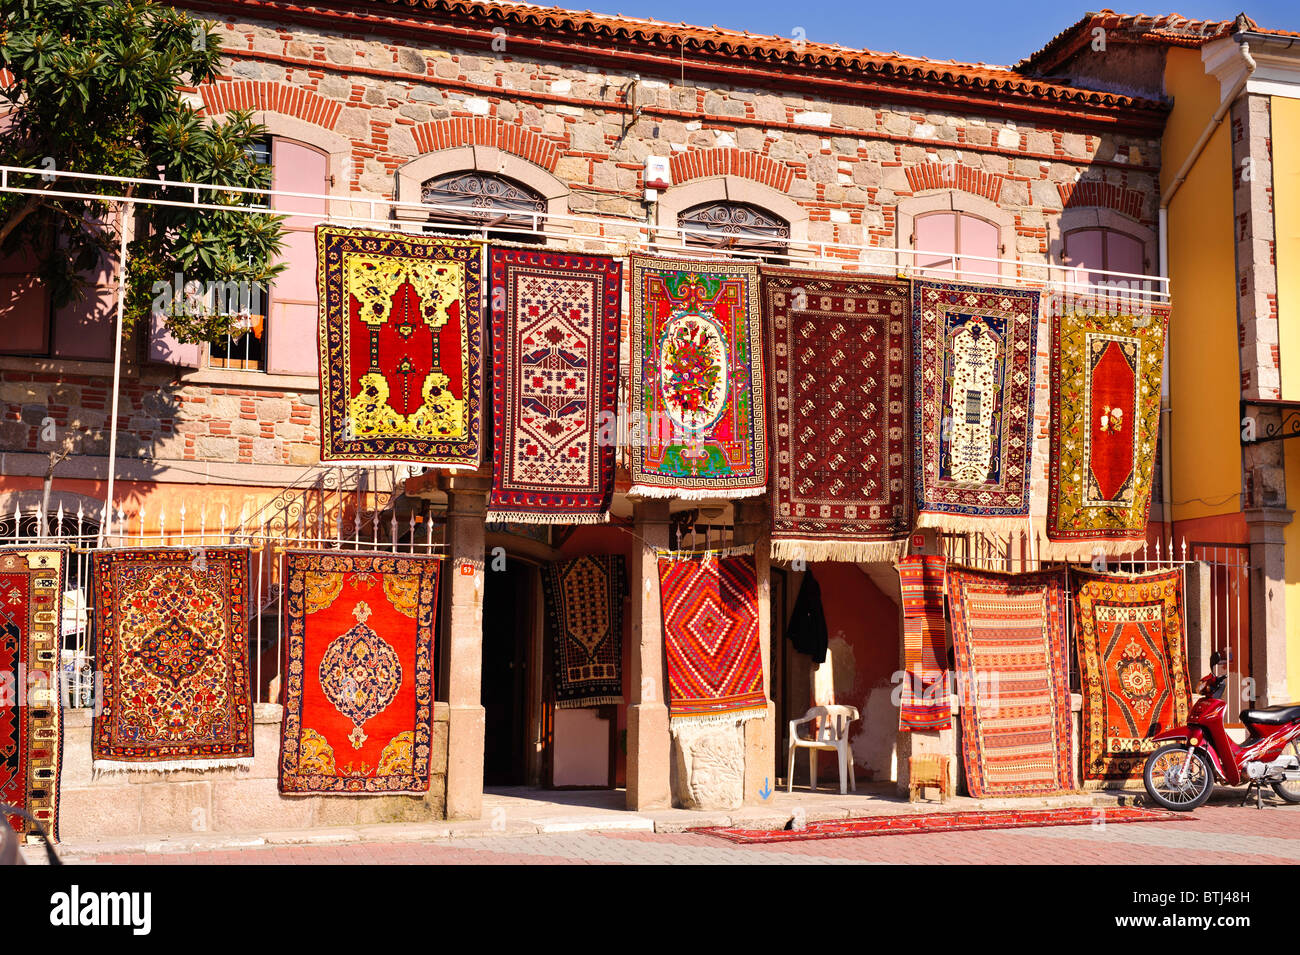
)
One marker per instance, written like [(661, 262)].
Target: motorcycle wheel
[(1165, 783), (1290, 790)]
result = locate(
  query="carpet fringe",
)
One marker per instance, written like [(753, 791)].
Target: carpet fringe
[(714, 719), (740, 550), (844, 551), (694, 493), (532, 517), (966, 523), (588, 701), (171, 765), (1084, 551)]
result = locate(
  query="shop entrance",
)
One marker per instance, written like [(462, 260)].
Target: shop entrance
[(507, 635)]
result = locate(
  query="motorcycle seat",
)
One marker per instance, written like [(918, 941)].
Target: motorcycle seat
[(1272, 715)]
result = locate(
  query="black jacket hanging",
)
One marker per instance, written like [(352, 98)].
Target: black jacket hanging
[(807, 627)]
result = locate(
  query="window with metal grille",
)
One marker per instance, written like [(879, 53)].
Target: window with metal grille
[(734, 226), (500, 207)]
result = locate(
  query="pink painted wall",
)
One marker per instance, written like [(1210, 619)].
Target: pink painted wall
[(863, 628)]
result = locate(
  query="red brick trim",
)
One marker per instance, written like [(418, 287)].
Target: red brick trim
[(478, 131), (273, 97), (1093, 192), (954, 175), (700, 163)]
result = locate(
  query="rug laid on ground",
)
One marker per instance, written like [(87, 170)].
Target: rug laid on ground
[(973, 404), (401, 344), (924, 704), (585, 600), (1132, 664), (31, 728), (699, 418), (1013, 673), (710, 618), (1106, 377), (912, 823), (555, 324), (841, 437), (358, 691), (171, 643)]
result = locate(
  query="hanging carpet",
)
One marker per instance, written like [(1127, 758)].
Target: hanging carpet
[(924, 704), (585, 600)]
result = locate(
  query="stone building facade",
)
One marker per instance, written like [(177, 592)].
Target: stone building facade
[(851, 154)]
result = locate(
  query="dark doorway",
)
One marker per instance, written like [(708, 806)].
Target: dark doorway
[(506, 628)]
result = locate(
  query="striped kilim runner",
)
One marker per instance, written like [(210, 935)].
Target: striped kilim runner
[(924, 704), (710, 615), (1009, 634)]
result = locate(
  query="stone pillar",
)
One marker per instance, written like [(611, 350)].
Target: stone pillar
[(753, 526), (648, 741), (1199, 621), (463, 627), (1268, 602)]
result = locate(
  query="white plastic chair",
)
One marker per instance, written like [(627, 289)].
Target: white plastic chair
[(831, 733)]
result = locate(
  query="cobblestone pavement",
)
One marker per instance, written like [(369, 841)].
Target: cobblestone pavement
[(1218, 834)]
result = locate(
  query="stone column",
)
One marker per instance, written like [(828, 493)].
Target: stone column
[(753, 526), (463, 627), (648, 741), (1268, 602)]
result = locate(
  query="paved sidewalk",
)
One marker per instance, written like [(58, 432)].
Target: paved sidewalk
[(1217, 834), (517, 811)]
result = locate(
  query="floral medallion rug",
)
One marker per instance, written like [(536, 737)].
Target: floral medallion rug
[(699, 419), (171, 643), (358, 692), (555, 326), (1013, 673), (973, 393), (710, 618), (1129, 631), (401, 345), (841, 438), (31, 717), (1106, 378), (585, 600)]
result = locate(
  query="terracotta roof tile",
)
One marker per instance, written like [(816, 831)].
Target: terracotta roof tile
[(777, 50), (1170, 29)]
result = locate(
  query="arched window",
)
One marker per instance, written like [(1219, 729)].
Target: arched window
[(502, 207), (954, 244), (744, 227), (1096, 250)]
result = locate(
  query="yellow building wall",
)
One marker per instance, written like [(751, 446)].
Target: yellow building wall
[(1204, 367), (1286, 221)]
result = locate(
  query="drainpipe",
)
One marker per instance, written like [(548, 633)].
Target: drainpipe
[(1166, 470)]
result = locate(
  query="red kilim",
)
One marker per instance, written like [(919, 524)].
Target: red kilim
[(31, 713), (401, 344), (910, 823), (1012, 669), (840, 381), (1129, 631), (710, 616), (555, 382), (171, 640), (924, 704), (358, 692)]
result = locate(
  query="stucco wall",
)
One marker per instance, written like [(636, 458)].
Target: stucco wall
[(228, 800)]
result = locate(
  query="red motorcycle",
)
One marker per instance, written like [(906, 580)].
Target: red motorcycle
[(1181, 774)]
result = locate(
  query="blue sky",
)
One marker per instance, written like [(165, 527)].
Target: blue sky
[(995, 31)]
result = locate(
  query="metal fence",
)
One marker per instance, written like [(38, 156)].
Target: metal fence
[(334, 516), (1229, 597)]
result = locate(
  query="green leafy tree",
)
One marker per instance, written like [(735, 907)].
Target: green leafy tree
[(93, 86)]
